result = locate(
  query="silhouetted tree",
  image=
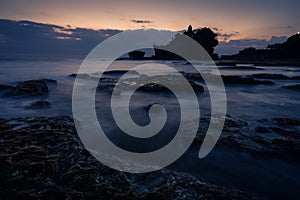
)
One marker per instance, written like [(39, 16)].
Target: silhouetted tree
[(205, 37), (276, 46), (292, 47)]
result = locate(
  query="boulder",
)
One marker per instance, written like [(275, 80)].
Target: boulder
[(30, 88)]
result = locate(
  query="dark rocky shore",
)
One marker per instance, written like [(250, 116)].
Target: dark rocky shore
[(42, 157)]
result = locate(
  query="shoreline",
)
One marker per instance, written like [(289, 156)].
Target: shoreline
[(273, 63)]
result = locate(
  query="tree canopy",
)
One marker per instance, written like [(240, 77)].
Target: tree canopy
[(205, 37)]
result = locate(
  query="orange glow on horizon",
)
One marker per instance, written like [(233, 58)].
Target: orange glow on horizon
[(249, 20)]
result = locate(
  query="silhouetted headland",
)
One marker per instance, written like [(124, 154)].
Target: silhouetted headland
[(286, 53)]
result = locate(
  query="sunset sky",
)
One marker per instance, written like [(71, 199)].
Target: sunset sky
[(236, 19)]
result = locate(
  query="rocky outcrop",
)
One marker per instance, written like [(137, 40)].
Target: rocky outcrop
[(30, 88), (43, 157), (165, 184), (282, 137)]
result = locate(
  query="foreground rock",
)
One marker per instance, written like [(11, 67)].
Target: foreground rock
[(165, 184), (39, 105), (42, 158), (30, 88), (292, 87), (282, 137)]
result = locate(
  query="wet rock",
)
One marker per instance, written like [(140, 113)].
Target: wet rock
[(156, 83), (39, 105), (286, 133), (49, 81), (153, 87), (166, 184), (237, 134), (296, 77), (286, 121), (5, 87), (292, 87), (79, 75), (232, 79), (239, 140), (107, 85), (119, 72), (31, 88), (244, 80), (261, 129), (193, 76), (196, 87), (45, 158), (233, 122), (270, 76), (241, 68)]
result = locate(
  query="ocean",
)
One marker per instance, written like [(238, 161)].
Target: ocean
[(266, 175)]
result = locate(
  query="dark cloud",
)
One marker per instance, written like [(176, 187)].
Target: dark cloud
[(26, 39), (276, 39), (216, 29), (141, 21), (226, 36)]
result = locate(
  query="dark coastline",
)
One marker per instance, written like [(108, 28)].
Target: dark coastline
[(258, 63)]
